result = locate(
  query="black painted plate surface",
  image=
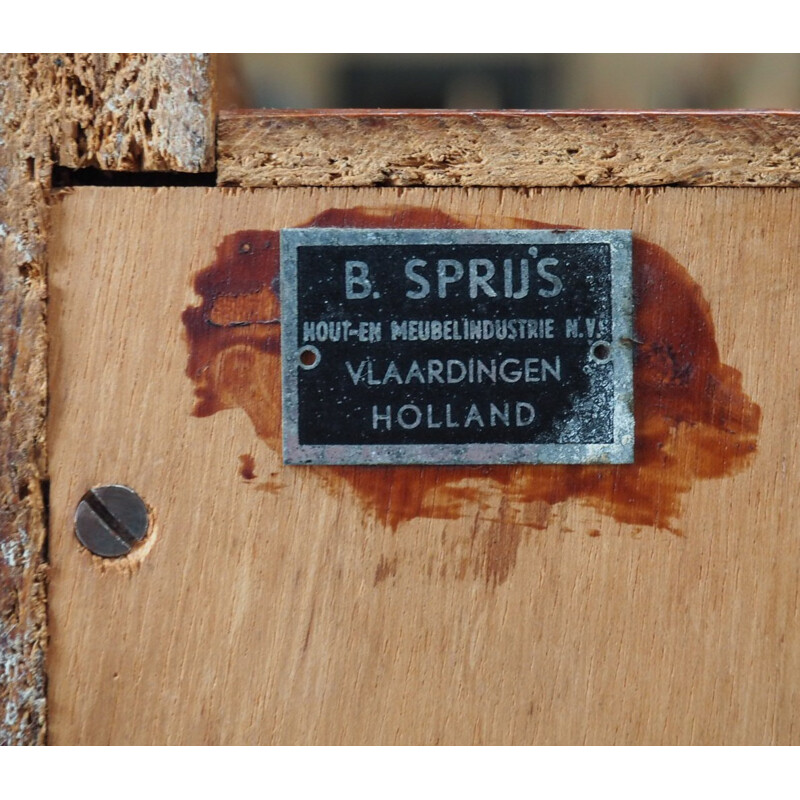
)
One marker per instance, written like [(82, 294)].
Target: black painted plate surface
[(456, 346)]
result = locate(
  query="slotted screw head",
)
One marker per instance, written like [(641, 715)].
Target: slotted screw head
[(110, 520)]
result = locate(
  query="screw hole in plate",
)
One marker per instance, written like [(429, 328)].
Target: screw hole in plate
[(308, 356), (600, 352)]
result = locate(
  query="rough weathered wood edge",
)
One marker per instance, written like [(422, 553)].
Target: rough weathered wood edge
[(508, 148), (130, 111), (115, 112)]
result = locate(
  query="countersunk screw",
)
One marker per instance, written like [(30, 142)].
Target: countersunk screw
[(110, 520)]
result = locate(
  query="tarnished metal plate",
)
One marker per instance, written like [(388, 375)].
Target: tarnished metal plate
[(456, 346)]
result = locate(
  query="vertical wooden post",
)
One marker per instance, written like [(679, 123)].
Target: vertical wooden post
[(127, 112)]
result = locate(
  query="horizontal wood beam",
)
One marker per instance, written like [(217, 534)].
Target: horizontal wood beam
[(508, 148)]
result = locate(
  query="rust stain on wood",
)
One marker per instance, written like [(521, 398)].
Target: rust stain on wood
[(693, 420), (247, 466)]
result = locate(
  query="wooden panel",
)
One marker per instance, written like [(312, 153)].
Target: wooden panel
[(508, 148), (646, 603)]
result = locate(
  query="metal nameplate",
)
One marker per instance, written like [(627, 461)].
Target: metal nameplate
[(456, 346)]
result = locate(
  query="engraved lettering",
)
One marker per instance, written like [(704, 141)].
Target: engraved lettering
[(481, 279), (431, 423), (456, 371), (415, 373), (524, 414), (524, 277), (509, 373), (423, 283), (572, 331), (541, 269), (409, 417), (378, 418), (448, 271), (555, 371), (435, 368), (495, 413), (357, 285), (371, 380), (473, 415), (399, 330), (490, 371), (355, 375), (391, 374)]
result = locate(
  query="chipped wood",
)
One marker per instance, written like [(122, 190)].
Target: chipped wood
[(129, 111), (514, 148)]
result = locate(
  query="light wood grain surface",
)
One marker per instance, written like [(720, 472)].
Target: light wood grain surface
[(296, 607)]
